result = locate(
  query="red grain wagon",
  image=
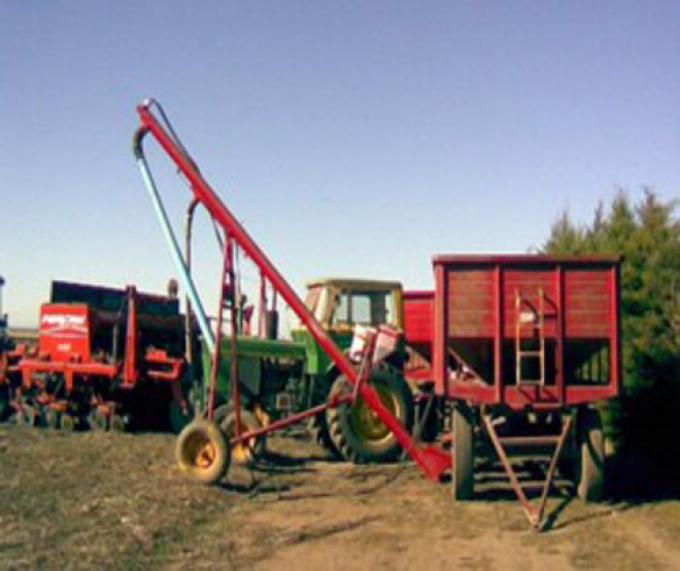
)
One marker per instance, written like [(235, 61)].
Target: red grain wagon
[(523, 345)]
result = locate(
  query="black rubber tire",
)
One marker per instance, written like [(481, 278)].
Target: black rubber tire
[(5, 408), (221, 413), (568, 462), (242, 455), (202, 452), (462, 453), (591, 457), (351, 445), (432, 425), (318, 426)]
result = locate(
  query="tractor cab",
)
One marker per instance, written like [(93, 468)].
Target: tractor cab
[(340, 303)]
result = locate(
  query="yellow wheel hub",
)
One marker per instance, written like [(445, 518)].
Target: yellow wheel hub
[(200, 452), (366, 423)]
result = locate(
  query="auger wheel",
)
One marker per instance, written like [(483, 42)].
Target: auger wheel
[(247, 453), (357, 432), (202, 452)]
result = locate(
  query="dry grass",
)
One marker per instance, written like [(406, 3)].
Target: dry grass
[(76, 501)]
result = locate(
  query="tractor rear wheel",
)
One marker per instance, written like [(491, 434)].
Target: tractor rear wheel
[(591, 456), (357, 432), (462, 452), (319, 428), (202, 452)]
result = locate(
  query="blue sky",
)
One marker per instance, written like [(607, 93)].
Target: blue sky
[(351, 138)]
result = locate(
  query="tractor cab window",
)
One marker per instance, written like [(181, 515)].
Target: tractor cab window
[(341, 313), (365, 308)]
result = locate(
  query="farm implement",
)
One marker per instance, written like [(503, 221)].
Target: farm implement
[(105, 359), (511, 351)]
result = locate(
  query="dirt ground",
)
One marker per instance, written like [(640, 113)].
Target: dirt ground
[(77, 501)]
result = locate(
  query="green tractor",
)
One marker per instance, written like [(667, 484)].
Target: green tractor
[(280, 377)]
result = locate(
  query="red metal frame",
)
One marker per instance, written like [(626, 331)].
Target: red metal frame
[(80, 365), (534, 513), (432, 460), (418, 327), (130, 373)]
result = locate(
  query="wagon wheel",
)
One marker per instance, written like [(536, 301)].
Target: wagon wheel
[(462, 452), (591, 455), (243, 454), (357, 432), (568, 461), (202, 452)]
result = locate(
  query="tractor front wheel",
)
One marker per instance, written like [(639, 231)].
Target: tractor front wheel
[(354, 428), (202, 452)]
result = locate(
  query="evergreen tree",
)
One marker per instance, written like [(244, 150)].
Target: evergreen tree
[(647, 235)]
